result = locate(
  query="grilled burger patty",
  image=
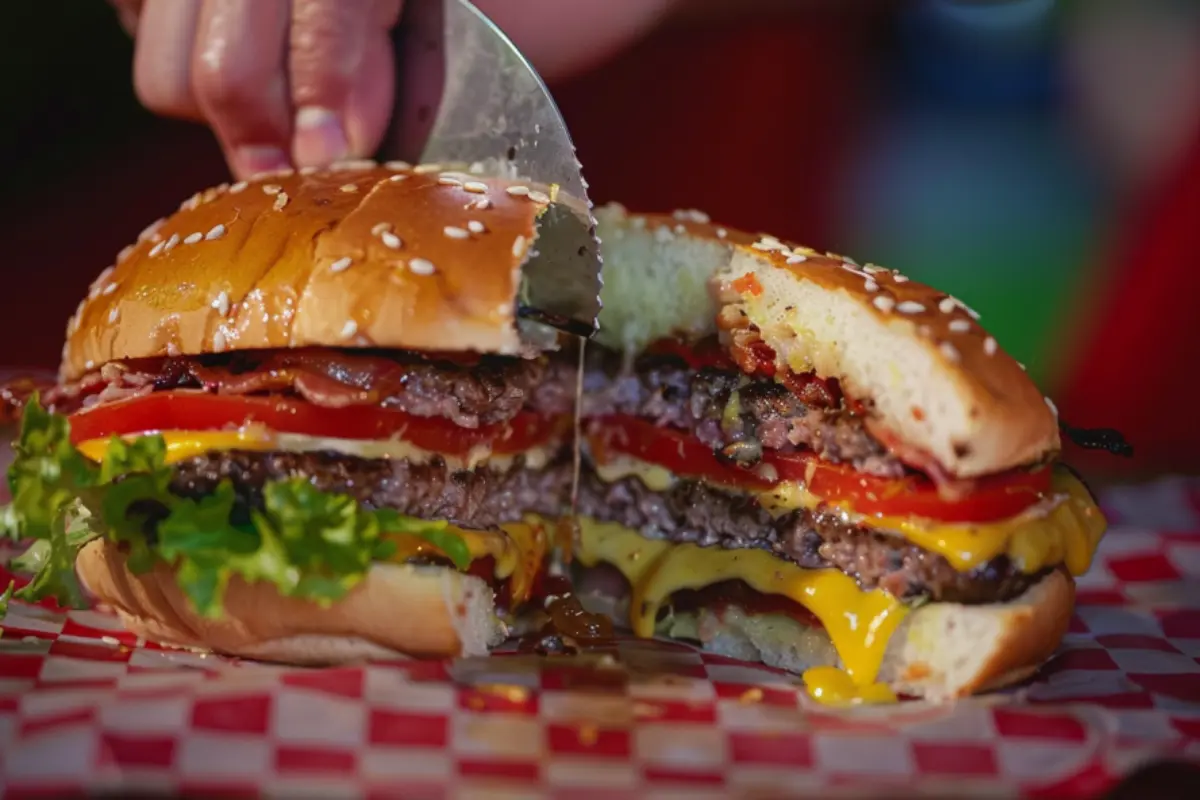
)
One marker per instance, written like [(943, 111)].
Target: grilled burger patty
[(478, 498), (694, 512), (664, 389)]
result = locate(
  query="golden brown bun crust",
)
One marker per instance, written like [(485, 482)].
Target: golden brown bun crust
[(397, 610), (354, 256), (941, 384)]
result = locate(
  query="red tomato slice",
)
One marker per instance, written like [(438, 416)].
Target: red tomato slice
[(993, 498), (197, 411)]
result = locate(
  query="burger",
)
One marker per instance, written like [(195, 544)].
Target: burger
[(299, 420), (824, 466)]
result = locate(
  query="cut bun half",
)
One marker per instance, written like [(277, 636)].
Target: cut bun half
[(936, 382), (939, 652), (357, 255), (397, 610)]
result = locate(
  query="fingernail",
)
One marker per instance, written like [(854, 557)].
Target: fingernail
[(320, 137), (251, 160)]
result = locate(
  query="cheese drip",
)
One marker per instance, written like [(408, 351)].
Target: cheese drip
[(859, 623)]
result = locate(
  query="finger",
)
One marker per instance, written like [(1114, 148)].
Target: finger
[(162, 57), (128, 12), (239, 79), (340, 73)]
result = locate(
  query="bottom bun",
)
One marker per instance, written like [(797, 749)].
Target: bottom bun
[(940, 651), (397, 610)]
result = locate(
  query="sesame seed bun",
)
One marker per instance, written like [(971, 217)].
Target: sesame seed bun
[(940, 385), (446, 613), (358, 255)]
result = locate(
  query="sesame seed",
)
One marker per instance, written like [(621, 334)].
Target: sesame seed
[(349, 329), (216, 232), (191, 203), (1053, 408), (101, 278), (446, 181), (947, 305), (972, 313), (172, 243), (192, 238), (218, 341), (477, 187), (869, 285), (693, 215), (960, 325), (398, 178), (455, 232), (114, 314), (272, 188), (419, 266), (355, 163), (424, 169), (349, 188), (158, 248), (1022, 366), (475, 226), (883, 303), (768, 243), (898, 278), (910, 307), (391, 240), (518, 246), (722, 233), (112, 287), (949, 351), (850, 261), (150, 230), (341, 265), (398, 166), (238, 187), (541, 198), (796, 258), (221, 304), (482, 204), (518, 191), (873, 269), (126, 251), (380, 228), (989, 346), (281, 200)]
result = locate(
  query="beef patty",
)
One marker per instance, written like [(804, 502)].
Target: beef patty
[(723, 407), (478, 498), (694, 512)]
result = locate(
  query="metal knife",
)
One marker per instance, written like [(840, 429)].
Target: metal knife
[(465, 94)]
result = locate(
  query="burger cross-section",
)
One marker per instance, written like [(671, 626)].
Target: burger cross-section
[(302, 419)]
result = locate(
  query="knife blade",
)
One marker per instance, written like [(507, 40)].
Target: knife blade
[(466, 96)]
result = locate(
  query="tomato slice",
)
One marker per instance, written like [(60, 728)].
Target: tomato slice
[(993, 498), (199, 411)]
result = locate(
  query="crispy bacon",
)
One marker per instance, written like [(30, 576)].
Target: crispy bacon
[(468, 391)]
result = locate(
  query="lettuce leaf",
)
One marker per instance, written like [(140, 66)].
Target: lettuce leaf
[(307, 543)]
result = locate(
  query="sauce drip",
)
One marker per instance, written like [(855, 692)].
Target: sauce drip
[(568, 627)]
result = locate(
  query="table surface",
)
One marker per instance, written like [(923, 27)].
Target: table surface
[(84, 704)]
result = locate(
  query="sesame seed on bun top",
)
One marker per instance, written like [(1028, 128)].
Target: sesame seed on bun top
[(356, 255)]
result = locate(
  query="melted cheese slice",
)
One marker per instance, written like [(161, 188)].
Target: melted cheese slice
[(859, 623), (519, 549), (1065, 528), (182, 445)]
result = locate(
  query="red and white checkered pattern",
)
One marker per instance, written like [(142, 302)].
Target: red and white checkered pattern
[(82, 704)]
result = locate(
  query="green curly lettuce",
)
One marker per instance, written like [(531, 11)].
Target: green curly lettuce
[(307, 543)]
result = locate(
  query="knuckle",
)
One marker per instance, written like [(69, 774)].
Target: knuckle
[(221, 88)]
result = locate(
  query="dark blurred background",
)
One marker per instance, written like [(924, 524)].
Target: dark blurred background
[(1039, 159)]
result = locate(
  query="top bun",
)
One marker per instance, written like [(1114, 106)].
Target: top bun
[(941, 387), (357, 255)]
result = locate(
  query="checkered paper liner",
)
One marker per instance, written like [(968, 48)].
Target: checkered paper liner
[(84, 705)]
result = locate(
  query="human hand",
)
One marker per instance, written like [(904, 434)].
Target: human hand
[(281, 83)]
